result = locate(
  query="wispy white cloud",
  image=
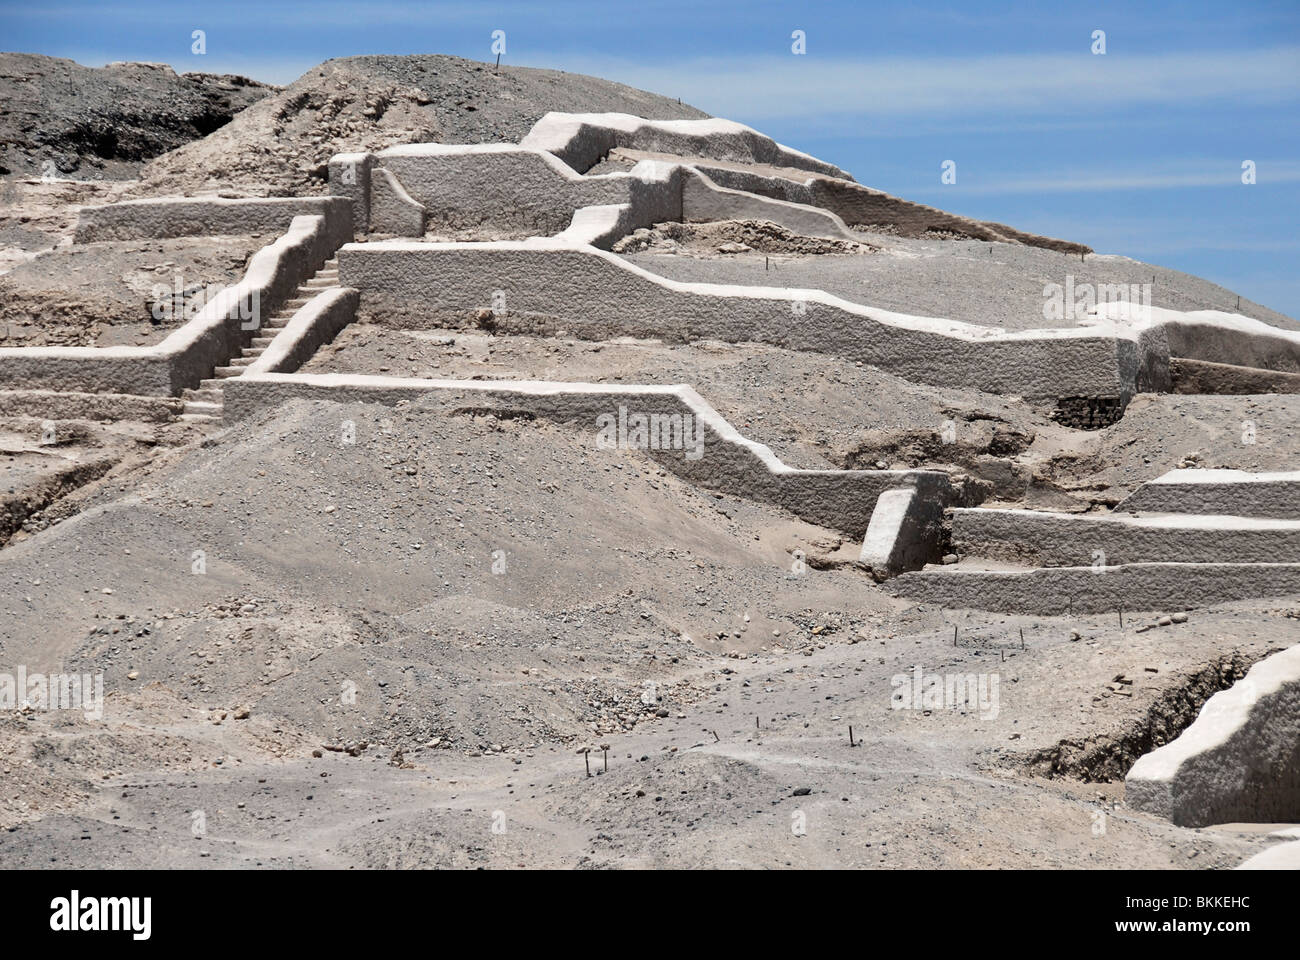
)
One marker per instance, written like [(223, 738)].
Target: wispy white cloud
[(1045, 84), (1227, 174)]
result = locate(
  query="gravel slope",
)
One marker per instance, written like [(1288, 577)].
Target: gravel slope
[(993, 284), (106, 121), (282, 146), (349, 683)]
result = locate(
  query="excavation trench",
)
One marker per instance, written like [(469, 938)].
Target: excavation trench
[(1107, 757), (27, 505)]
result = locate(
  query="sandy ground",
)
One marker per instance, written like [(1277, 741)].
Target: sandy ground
[(39, 214), (117, 293), (818, 411), (992, 284), (349, 607)]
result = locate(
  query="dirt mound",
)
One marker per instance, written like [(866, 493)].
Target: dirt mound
[(58, 118), (456, 622), (733, 236), (281, 147)]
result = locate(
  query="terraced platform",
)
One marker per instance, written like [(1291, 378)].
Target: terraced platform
[(1275, 495), (1027, 561)]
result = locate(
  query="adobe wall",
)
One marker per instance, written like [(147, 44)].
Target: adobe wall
[(1234, 492), (1239, 761), (1054, 591), (192, 352), (1062, 539), (555, 285), (582, 139), (165, 217), (838, 499)]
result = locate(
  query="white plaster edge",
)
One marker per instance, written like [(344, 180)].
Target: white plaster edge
[(262, 268), (681, 392), (576, 242), (1222, 717)]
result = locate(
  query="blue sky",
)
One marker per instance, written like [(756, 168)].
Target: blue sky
[(1137, 151)]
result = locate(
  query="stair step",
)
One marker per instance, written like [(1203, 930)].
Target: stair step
[(1072, 539), (296, 302), (1055, 591), (202, 406), (250, 353), (206, 395), (226, 372), (1234, 492), (199, 418), (240, 361), (213, 383), (260, 341)]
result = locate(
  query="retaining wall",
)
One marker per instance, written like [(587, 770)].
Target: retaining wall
[(582, 139), (192, 352), (1053, 591), (1060, 539), (1211, 335), (108, 407), (493, 187), (500, 187), (861, 206), (705, 200), (838, 499), (1239, 762), (164, 217), (1233, 492), (1205, 376), (555, 284)]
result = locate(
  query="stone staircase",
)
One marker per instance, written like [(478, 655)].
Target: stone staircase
[(1187, 539), (204, 404)]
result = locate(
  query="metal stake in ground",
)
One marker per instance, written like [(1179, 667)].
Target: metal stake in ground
[(605, 749), (586, 759), (851, 743)]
